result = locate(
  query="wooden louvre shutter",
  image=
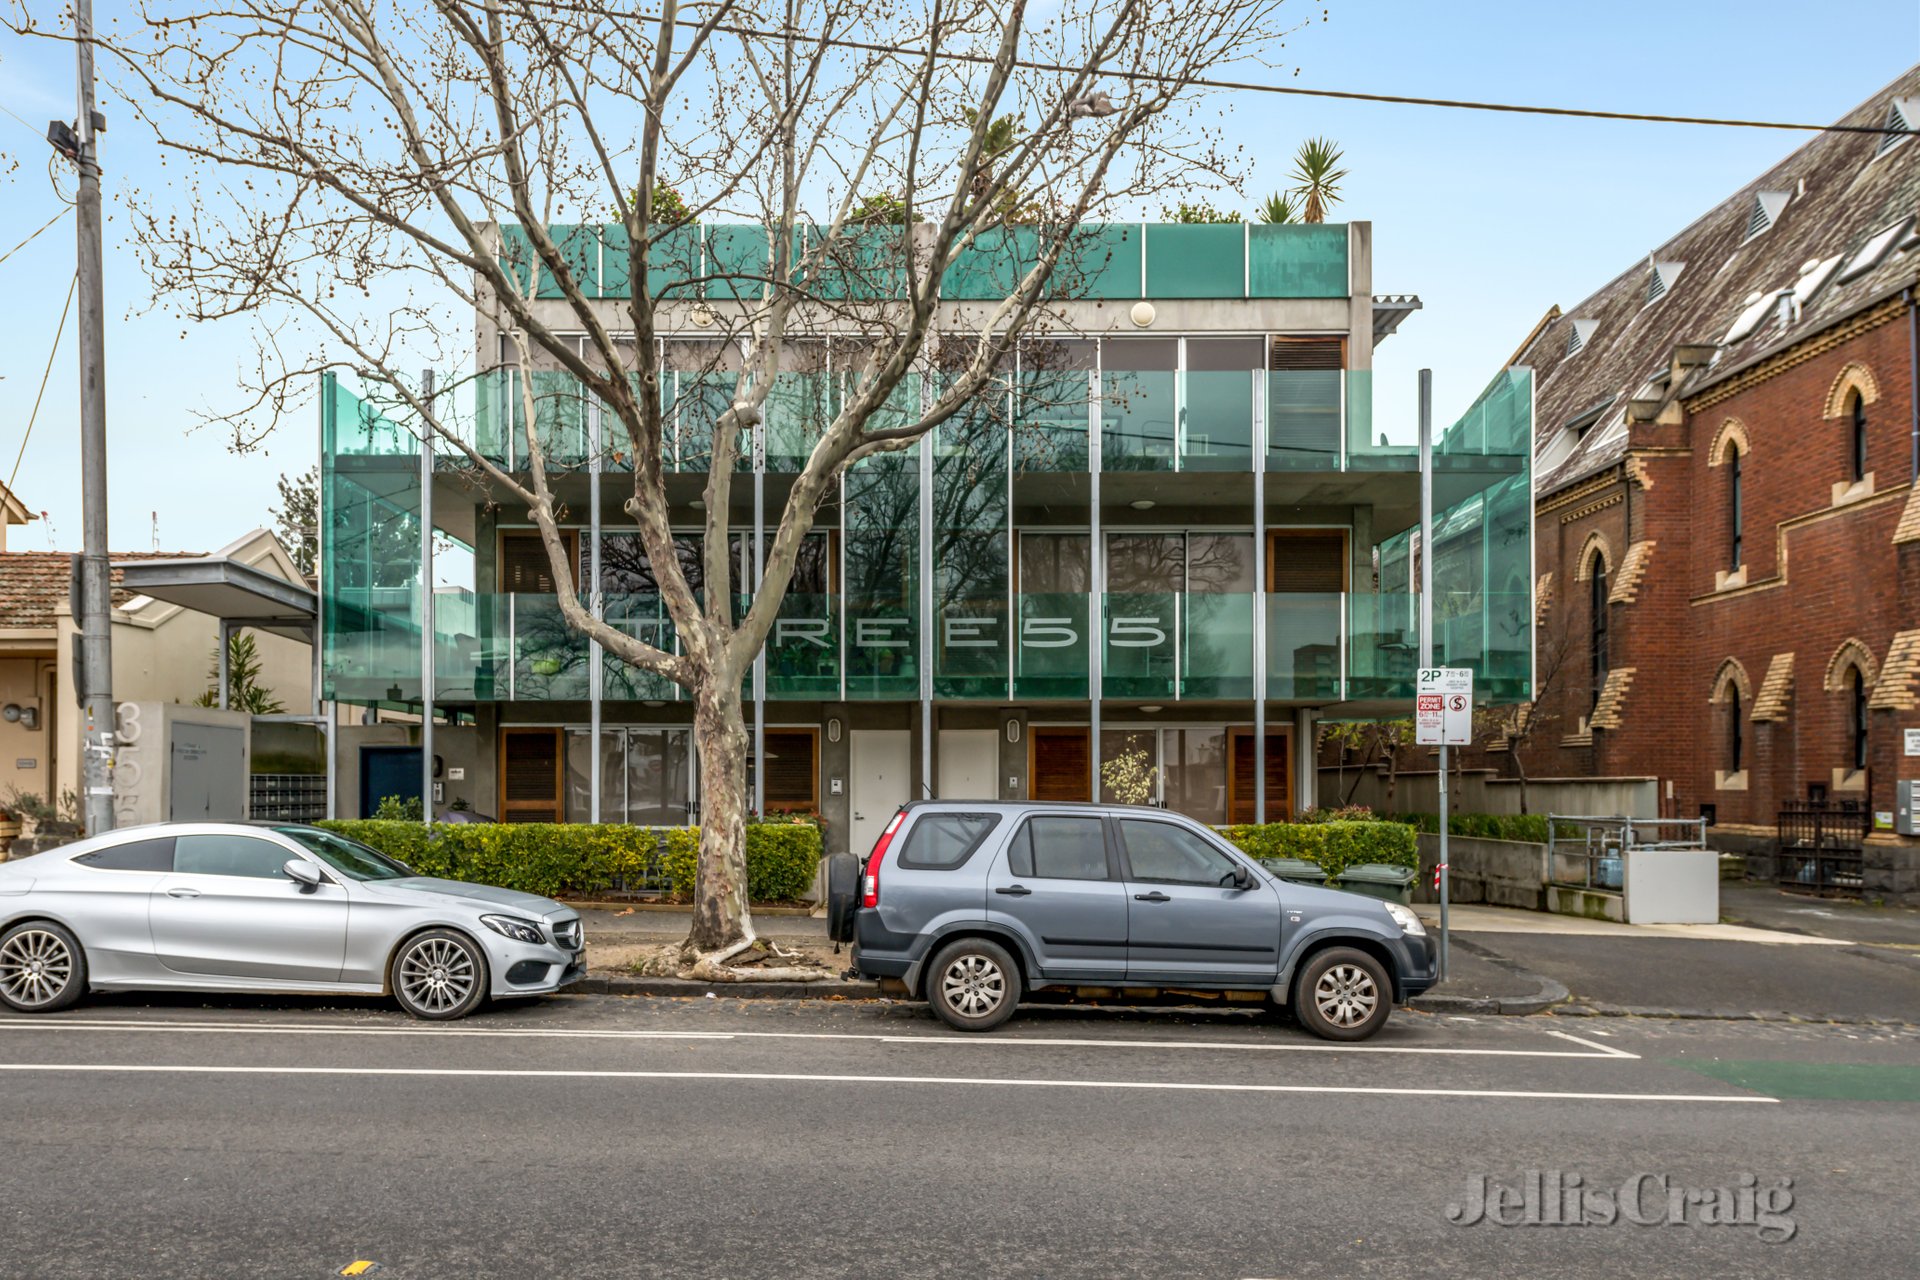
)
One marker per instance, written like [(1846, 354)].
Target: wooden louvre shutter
[(1059, 766), (1307, 560), (792, 769), (1240, 807), (530, 775), (524, 567), (1298, 351)]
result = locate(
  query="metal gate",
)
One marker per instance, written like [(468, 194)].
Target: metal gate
[(1820, 846)]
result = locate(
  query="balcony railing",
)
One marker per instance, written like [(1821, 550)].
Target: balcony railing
[(1155, 646)]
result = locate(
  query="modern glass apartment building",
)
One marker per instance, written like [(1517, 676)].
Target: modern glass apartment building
[(1173, 527)]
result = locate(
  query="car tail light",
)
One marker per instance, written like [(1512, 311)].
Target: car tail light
[(870, 883)]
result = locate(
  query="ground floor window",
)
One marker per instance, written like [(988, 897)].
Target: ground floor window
[(646, 775), (1203, 771)]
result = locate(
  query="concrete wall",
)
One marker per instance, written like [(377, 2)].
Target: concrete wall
[(145, 761), (468, 748), (1501, 873), (1480, 791)]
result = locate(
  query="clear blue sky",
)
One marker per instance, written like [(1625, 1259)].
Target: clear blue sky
[(1491, 219)]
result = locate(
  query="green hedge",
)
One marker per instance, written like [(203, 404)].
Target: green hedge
[(1530, 827), (1332, 846), (581, 860)]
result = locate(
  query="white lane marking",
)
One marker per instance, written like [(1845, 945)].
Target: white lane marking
[(1151, 1086), (562, 1033), (1606, 1050)]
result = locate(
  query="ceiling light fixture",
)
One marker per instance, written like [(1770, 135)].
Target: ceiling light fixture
[(1141, 504)]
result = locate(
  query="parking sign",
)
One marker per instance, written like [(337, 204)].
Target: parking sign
[(1443, 707)]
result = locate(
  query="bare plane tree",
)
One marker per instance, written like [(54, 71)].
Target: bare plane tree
[(362, 179)]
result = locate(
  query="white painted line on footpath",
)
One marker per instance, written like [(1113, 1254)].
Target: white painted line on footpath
[(1150, 1086), (999, 1041)]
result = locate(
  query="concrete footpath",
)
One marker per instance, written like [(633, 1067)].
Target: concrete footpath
[(1775, 956)]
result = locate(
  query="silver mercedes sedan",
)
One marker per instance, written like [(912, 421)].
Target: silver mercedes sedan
[(227, 906)]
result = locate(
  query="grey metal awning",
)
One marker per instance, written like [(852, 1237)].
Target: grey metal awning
[(1389, 309), (237, 594)]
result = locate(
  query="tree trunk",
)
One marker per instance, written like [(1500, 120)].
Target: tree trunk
[(721, 918), (1520, 771)]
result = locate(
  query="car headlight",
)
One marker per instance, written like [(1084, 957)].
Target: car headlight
[(513, 927), (1409, 922)]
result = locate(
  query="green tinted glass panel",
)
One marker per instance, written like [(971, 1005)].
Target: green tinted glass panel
[(798, 411), (859, 263), (803, 651), (882, 556), (1137, 420), (1099, 261), (699, 401), (1300, 260), (1196, 261), (673, 265), (1367, 449), (1050, 650), (370, 537), (350, 427), (1216, 645), (739, 262), (559, 417), (1052, 408), (1216, 421), (643, 616), (1383, 644), (1303, 644), (991, 266), (1138, 660), (970, 551), (1303, 420)]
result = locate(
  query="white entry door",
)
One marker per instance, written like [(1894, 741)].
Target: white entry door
[(882, 769), (969, 762)]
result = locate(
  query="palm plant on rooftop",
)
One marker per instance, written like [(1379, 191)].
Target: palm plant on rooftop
[(1317, 176), (1277, 209)]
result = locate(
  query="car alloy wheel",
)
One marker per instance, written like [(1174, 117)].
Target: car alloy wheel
[(36, 965), (437, 975), (1346, 995), (973, 985)]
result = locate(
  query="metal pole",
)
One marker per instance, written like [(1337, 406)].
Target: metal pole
[(1259, 607), (95, 677), (426, 604), (1097, 581), (596, 604), (1426, 623), (223, 659), (758, 566), (924, 605)]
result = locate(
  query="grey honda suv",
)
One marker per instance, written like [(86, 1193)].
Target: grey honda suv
[(970, 905)]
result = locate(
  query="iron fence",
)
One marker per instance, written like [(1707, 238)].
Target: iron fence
[(1821, 846)]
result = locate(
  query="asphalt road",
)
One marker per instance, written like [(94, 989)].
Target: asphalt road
[(591, 1136)]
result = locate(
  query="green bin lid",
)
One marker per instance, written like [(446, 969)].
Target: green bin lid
[(1294, 868), (1378, 873)]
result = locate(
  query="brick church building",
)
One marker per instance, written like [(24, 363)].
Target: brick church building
[(1727, 540)]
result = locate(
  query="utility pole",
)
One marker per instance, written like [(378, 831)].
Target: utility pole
[(94, 674), (1426, 629)]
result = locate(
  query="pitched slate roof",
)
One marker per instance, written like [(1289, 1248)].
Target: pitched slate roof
[(33, 583), (1722, 288)]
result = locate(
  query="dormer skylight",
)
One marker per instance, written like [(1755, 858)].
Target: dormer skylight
[(1869, 254), (1902, 115), (1765, 211), (1661, 278), (1579, 333)]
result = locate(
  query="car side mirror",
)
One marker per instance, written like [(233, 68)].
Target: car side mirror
[(303, 873), (1243, 878)]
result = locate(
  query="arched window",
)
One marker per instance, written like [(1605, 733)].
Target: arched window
[(1736, 743), (1857, 416), (1597, 625), (1734, 514), (1857, 692)]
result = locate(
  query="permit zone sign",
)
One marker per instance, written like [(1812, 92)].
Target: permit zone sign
[(1443, 707)]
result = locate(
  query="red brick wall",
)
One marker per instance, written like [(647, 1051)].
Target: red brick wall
[(1841, 579)]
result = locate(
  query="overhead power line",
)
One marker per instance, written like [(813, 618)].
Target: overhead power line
[(30, 239), (1247, 86), (35, 416)]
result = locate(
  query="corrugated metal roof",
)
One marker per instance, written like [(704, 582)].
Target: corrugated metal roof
[(1741, 297)]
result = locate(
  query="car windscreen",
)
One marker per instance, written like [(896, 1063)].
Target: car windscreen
[(350, 858)]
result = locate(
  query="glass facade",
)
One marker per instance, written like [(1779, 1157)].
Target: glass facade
[(1045, 544)]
